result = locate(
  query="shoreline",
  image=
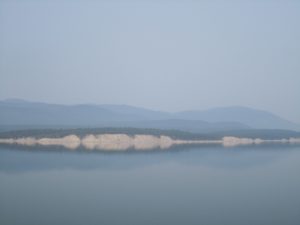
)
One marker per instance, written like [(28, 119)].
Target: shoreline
[(138, 142)]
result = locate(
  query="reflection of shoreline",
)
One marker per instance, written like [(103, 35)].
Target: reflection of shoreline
[(122, 142), (21, 158)]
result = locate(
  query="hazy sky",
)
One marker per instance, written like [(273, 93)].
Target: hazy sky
[(166, 55)]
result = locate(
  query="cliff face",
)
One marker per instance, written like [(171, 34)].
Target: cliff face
[(100, 142)]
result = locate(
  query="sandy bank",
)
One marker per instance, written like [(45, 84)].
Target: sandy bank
[(121, 142)]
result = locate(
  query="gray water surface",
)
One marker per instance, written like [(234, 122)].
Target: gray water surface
[(194, 185)]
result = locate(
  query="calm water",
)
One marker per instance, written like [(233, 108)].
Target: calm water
[(207, 185)]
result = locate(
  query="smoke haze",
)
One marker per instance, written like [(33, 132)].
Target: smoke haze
[(168, 55)]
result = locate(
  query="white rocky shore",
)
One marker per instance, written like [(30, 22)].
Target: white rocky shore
[(121, 142)]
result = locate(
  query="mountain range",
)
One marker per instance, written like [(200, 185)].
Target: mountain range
[(17, 113)]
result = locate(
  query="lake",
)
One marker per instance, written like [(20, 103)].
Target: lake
[(192, 185)]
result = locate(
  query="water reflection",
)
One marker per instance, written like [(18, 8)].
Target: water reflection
[(21, 159), (193, 185)]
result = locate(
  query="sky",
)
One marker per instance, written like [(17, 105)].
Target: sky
[(164, 55)]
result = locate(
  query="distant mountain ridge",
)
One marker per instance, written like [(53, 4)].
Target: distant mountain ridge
[(254, 118), (17, 112)]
